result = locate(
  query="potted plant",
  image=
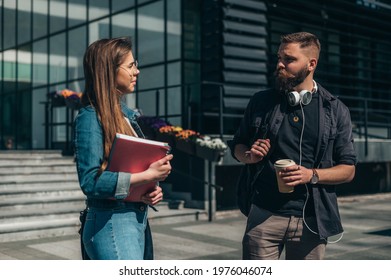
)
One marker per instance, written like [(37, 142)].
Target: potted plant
[(186, 141), (168, 133), (66, 97), (151, 125), (209, 148)]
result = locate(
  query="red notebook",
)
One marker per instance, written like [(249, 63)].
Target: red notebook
[(133, 155)]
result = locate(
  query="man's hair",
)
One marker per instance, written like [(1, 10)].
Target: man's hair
[(305, 39)]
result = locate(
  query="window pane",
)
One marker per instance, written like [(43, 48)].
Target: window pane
[(59, 116), (24, 23), (192, 32), (9, 23), (98, 30), (9, 71), (57, 15), (23, 123), (38, 118), (192, 72), (173, 29), (1, 32), (8, 119), (24, 68), (40, 11), (98, 8), (76, 47), (77, 86), (57, 59), (149, 100), (175, 100), (142, 1), (1, 68), (124, 25), (40, 61), (151, 77), (151, 33), (174, 73), (130, 100), (118, 5), (77, 12)]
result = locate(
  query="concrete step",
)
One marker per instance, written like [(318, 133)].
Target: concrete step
[(39, 177), (21, 154), (39, 198), (7, 162), (33, 169), (61, 223), (39, 222), (33, 187), (65, 225), (39, 233), (22, 211)]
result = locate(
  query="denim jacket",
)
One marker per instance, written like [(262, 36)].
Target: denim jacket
[(335, 145), (88, 143)]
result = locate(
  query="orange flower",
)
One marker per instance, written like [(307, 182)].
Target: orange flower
[(66, 93), (187, 134), (170, 129)]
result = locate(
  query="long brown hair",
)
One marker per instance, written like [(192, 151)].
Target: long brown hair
[(101, 63)]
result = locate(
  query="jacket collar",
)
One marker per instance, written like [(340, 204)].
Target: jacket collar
[(129, 113), (325, 94)]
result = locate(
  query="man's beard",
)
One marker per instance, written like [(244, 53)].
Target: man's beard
[(285, 83)]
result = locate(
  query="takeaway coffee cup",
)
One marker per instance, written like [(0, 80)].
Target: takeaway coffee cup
[(278, 165)]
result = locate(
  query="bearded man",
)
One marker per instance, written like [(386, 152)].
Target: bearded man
[(301, 121)]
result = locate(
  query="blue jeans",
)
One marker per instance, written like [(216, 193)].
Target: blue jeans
[(118, 233)]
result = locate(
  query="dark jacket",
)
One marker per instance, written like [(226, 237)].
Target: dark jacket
[(335, 144)]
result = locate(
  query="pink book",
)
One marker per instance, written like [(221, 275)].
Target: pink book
[(134, 155)]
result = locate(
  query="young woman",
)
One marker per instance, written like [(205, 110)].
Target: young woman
[(113, 228)]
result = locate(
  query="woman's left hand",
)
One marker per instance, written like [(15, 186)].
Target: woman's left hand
[(153, 197)]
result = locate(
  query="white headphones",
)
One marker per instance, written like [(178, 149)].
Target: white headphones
[(304, 97)]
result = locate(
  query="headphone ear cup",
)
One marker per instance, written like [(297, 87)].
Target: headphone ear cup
[(305, 97), (293, 98)]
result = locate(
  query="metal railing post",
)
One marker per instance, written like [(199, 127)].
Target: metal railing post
[(188, 93), (221, 104), (157, 107), (366, 125)]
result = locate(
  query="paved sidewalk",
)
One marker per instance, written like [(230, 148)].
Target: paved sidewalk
[(366, 219)]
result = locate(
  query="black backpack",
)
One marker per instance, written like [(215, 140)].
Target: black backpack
[(245, 187), (249, 173)]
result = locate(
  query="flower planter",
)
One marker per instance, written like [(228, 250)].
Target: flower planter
[(167, 138), (57, 101), (148, 131), (209, 154), (185, 146), (73, 103)]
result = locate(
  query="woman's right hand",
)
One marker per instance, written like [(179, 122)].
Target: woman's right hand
[(159, 170)]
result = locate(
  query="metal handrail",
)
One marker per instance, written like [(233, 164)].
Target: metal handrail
[(366, 112)]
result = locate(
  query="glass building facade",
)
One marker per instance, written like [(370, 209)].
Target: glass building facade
[(42, 45), (200, 60)]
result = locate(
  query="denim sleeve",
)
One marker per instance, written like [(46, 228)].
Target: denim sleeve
[(344, 152), (89, 156)]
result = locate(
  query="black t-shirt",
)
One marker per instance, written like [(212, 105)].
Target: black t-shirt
[(288, 147)]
